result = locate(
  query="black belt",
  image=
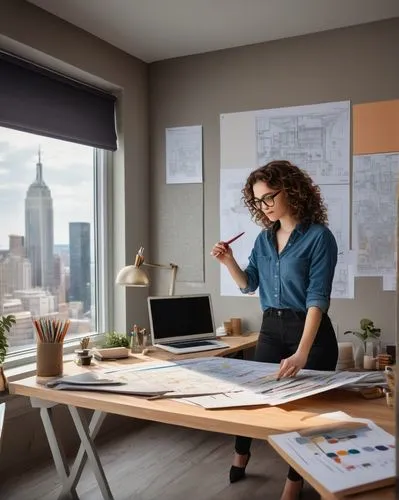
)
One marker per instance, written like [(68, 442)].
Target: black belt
[(272, 312)]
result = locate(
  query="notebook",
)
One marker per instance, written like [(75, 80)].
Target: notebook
[(183, 323)]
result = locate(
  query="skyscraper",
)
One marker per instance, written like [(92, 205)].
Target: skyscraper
[(39, 230), (16, 244), (79, 261)]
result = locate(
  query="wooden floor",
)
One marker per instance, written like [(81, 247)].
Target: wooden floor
[(164, 462)]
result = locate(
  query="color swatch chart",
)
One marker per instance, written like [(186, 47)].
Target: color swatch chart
[(344, 458)]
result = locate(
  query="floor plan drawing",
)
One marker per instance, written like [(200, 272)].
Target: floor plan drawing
[(314, 137), (375, 179)]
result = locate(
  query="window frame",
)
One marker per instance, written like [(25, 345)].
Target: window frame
[(103, 297)]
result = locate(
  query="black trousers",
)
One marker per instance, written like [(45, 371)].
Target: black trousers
[(280, 334)]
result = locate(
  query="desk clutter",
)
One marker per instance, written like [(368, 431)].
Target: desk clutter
[(390, 391), (346, 359), (232, 327), (374, 357)]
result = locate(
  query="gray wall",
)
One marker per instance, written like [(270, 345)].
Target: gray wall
[(358, 64)]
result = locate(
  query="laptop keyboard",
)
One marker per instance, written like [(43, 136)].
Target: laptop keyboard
[(198, 343)]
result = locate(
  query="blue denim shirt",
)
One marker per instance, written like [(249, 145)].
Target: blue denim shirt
[(301, 275)]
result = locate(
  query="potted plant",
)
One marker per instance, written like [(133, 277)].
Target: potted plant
[(114, 339), (368, 333), (6, 323)]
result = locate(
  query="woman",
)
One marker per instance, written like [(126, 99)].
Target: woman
[(292, 263)]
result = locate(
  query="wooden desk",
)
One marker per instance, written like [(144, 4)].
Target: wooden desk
[(236, 344), (257, 422)]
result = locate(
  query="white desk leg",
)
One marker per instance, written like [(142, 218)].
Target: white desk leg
[(81, 457), (56, 449), (92, 455)]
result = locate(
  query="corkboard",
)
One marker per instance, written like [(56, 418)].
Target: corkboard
[(376, 127)]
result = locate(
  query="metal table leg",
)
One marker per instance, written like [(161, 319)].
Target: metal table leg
[(88, 448), (81, 456), (87, 433)]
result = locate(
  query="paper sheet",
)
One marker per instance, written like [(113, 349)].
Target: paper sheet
[(375, 179), (234, 219), (314, 137), (233, 382), (184, 155), (342, 459)]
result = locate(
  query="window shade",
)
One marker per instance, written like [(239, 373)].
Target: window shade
[(34, 99)]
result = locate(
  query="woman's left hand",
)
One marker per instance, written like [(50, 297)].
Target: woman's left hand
[(289, 367)]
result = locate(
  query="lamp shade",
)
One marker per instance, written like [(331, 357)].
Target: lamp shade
[(132, 276)]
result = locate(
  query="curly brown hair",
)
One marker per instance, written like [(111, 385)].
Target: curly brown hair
[(302, 194)]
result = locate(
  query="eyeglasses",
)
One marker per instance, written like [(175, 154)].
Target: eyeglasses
[(267, 200)]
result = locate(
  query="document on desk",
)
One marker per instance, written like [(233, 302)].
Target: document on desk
[(343, 460), (99, 382), (229, 382)]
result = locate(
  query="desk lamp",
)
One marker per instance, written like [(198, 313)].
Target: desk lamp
[(136, 276)]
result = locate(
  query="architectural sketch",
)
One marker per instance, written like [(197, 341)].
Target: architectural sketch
[(375, 180), (314, 137), (184, 155), (235, 218), (336, 198), (343, 284)]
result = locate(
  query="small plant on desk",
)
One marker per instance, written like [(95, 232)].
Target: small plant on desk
[(6, 323), (114, 339), (368, 332)]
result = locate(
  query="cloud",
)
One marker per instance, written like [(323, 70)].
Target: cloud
[(67, 170)]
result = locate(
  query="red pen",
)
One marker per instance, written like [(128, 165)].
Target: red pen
[(227, 243), (234, 239)]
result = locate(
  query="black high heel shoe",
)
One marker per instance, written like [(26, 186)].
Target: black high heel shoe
[(238, 473)]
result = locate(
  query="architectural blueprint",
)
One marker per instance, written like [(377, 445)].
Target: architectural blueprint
[(184, 155), (336, 198), (235, 218), (314, 137), (375, 180), (229, 382)]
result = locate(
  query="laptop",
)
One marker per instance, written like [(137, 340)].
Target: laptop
[(183, 323)]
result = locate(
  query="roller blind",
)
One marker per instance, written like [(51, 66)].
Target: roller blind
[(37, 100)]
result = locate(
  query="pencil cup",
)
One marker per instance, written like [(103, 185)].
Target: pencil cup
[(236, 326), (228, 327), (49, 362)]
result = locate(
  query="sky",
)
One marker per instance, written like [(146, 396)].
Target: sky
[(67, 171)]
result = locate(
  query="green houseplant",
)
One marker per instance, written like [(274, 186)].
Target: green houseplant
[(114, 339), (368, 331), (6, 323)]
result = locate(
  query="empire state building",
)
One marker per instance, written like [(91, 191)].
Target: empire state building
[(39, 230)]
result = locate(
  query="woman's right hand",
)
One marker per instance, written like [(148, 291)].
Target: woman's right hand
[(222, 252)]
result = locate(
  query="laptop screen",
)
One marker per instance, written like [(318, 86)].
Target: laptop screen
[(178, 318)]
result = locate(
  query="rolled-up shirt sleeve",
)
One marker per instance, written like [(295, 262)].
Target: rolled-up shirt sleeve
[(252, 273), (321, 272)]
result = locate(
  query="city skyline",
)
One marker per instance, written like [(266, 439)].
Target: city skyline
[(67, 169)]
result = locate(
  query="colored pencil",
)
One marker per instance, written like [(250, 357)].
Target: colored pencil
[(51, 330)]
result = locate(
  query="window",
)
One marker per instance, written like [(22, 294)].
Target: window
[(49, 228)]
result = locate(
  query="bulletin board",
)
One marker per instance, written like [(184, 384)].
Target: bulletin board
[(181, 230)]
